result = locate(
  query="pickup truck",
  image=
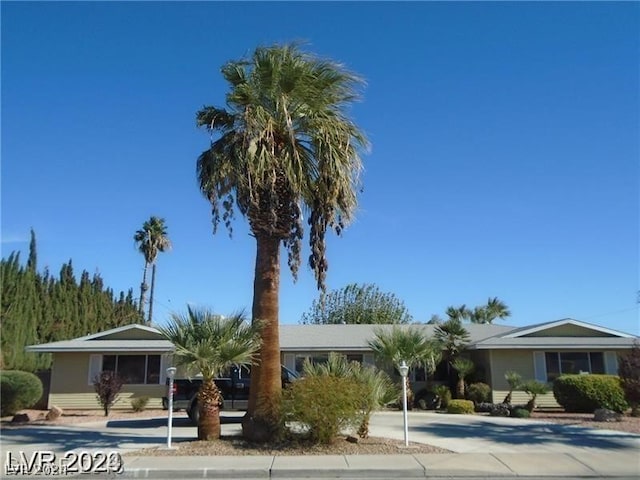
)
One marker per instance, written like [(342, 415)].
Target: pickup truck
[(234, 388)]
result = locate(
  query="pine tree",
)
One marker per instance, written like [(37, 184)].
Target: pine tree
[(39, 308)]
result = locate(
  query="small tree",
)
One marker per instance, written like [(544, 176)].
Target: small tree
[(444, 395), (514, 380), (408, 344), (533, 388), (629, 373), (107, 386), (464, 367)]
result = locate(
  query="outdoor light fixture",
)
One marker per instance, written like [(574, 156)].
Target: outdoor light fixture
[(404, 371), (171, 373)]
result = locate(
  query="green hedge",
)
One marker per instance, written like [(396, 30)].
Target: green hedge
[(520, 413), (461, 406), (18, 390), (479, 393), (587, 393)]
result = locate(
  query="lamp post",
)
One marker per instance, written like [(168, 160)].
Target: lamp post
[(171, 372), (404, 371)]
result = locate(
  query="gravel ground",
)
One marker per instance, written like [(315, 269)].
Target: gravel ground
[(237, 446)]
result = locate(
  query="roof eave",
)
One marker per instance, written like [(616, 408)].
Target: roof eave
[(36, 349)]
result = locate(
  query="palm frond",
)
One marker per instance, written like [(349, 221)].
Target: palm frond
[(209, 344), (285, 146)]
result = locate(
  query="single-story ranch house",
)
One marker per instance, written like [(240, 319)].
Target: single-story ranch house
[(141, 355)]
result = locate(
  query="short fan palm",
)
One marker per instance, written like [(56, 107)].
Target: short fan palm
[(210, 344), (409, 345)]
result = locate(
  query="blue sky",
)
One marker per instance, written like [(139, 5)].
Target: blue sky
[(504, 160)]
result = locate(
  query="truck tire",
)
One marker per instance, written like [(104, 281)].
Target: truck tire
[(194, 412), (426, 400)]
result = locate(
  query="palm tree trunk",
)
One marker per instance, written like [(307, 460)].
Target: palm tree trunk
[(261, 419), (460, 388), (153, 285), (143, 289), (209, 406)]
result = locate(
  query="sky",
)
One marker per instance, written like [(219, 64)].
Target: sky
[(503, 162)]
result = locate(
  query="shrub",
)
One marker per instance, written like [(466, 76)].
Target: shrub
[(500, 410), (444, 394), (379, 389), (107, 386), (629, 372), (325, 405), (586, 393), (139, 403), (520, 413), (460, 406), (18, 390), (484, 407), (479, 392)]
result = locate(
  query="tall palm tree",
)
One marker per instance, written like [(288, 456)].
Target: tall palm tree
[(210, 344), (497, 309), (151, 239), (494, 308), (409, 345), (283, 146), (458, 313), (479, 315)]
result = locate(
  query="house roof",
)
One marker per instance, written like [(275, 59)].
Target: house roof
[(356, 337), (298, 338), (139, 338), (567, 333), (524, 331)]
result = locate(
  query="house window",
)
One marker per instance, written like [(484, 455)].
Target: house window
[(562, 363), (134, 369), (355, 357), (314, 359)]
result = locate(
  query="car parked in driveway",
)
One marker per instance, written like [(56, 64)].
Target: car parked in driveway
[(234, 388)]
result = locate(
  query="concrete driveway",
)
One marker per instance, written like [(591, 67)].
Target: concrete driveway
[(484, 434), (458, 433)]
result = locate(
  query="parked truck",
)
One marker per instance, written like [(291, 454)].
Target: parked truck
[(234, 388)]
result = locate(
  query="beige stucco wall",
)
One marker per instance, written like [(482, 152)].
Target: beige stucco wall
[(70, 387), (520, 361)]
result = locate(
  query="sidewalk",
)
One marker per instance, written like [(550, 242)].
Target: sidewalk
[(484, 447), (619, 465)]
